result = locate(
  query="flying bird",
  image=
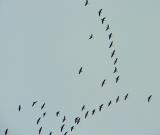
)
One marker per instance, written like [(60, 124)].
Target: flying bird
[(62, 127), (40, 130), (80, 70), (57, 113), (64, 118), (117, 79), (115, 61), (34, 103), (99, 12), (103, 82), (93, 111), (50, 133), (86, 114), (115, 70), (107, 28), (109, 103), (111, 44), (43, 105), (65, 133), (38, 120), (110, 35), (149, 98), (19, 108), (103, 19), (112, 54), (91, 36), (44, 114), (86, 3), (72, 128), (100, 107), (126, 96), (117, 99), (6, 131), (83, 107), (78, 120)]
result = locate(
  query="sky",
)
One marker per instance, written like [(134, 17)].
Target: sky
[(43, 44)]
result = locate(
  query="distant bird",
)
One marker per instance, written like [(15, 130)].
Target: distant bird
[(57, 113), (72, 128), (110, 35), (40, 130), (43, 105), (149, 98), (75, 120), (112, 54), (93, 111), (65, 133), (64, 118), (99, 12), (111, 44), (115, 61), (19, 108), (34, 103), (115, 70), (44, 114), (103, 82), (117, 99), (103, 19), (100, 107), (50, 133), (86, 114), (80, 70), (78, 120), (91, 36), (83, 107), (109, 103), (38, 120), (6, 131), (62, 127), (126, 96), (86, 3), (117, 79), (107, 28)]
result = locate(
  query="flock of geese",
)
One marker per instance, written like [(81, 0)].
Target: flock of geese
[(83, 108)]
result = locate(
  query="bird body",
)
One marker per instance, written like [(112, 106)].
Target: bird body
[(110, 35), (115, 70), (62, 127), (72, 128), (6, 131), (112, 54), (65, 133), (107, 28), (40, 130), (117, 79), (38, 120), (19, 108), (34, 103), (117, 99), (57, 113), (64, 118), (93, 111), (44, 114), (149, 98), (111, 44), (91, 36), (86, 3), (126, 96), (50, 133), (103, 19), (83, 107), (99, 12), (115, 61), (43, 106), (80, 70), (86, 114), (100, 107), (103, 82), (109, 103)]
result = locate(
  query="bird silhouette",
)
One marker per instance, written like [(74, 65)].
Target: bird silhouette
[(38, 120), (111, 44), (86, 114), (78, 120), (34, 103), (64, 118), (103, 19), (100, 107), (115, 61), (75, 120), (57, 113), (117, 99), (91, 36), (44, 114), (103, 82), (86, 3), (115, 70), (93, 111), (72, 128), (99, 12), (19, 108), (112, 54), (149, 98), (126, 96), (110, 35), (109, 103), (6, 131), (50, 133), (62, 127), (107, 28), (40, 130), (117, 79), (65, 133), (43, 105), (80, 70), (83, 107)]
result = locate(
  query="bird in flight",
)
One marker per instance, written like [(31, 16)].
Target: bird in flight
[(64, 118), (65, 133), (110, 35), (86, 114), (109, 103), (100, 107), (6, 131), (99, 12), (93, 111), (107, 28), (38, 120), (126, 96), (86, 3), (115, 61), (72, 128), (50, 133), (149, 98), (44, 114), (78, 120), (19, 108), (111, 44), (83, 107), (62, 127), (57, 113), (91, 36), (117, 99), (34, 103), (43, 105), (112, 54), (103, 82), (40, 130), (117, 79), (103, 19), (80, 70), (115, 70)]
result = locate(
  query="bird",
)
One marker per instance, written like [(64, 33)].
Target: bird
[(43, 105), (110, 35), (115, 70), (99, 12), (83, 107), (91, 36), (6, 131), (34, 103), (75, 120), (50, 133), (126, 96), (149, 98), (117, 79), (62, 127), (86, 114), (19, 108), (115, 61), (72, 128), (80, 70), (38, 120), (117, 99), (86, 3), (65, 133), (78, 120), (44, 114), (103, 82), (111, 44), (57, 113), (93, 111), (64, 118), (112, 54), (107, 28), (100, 107), (109, 103), (40, 130), (103, 19)]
